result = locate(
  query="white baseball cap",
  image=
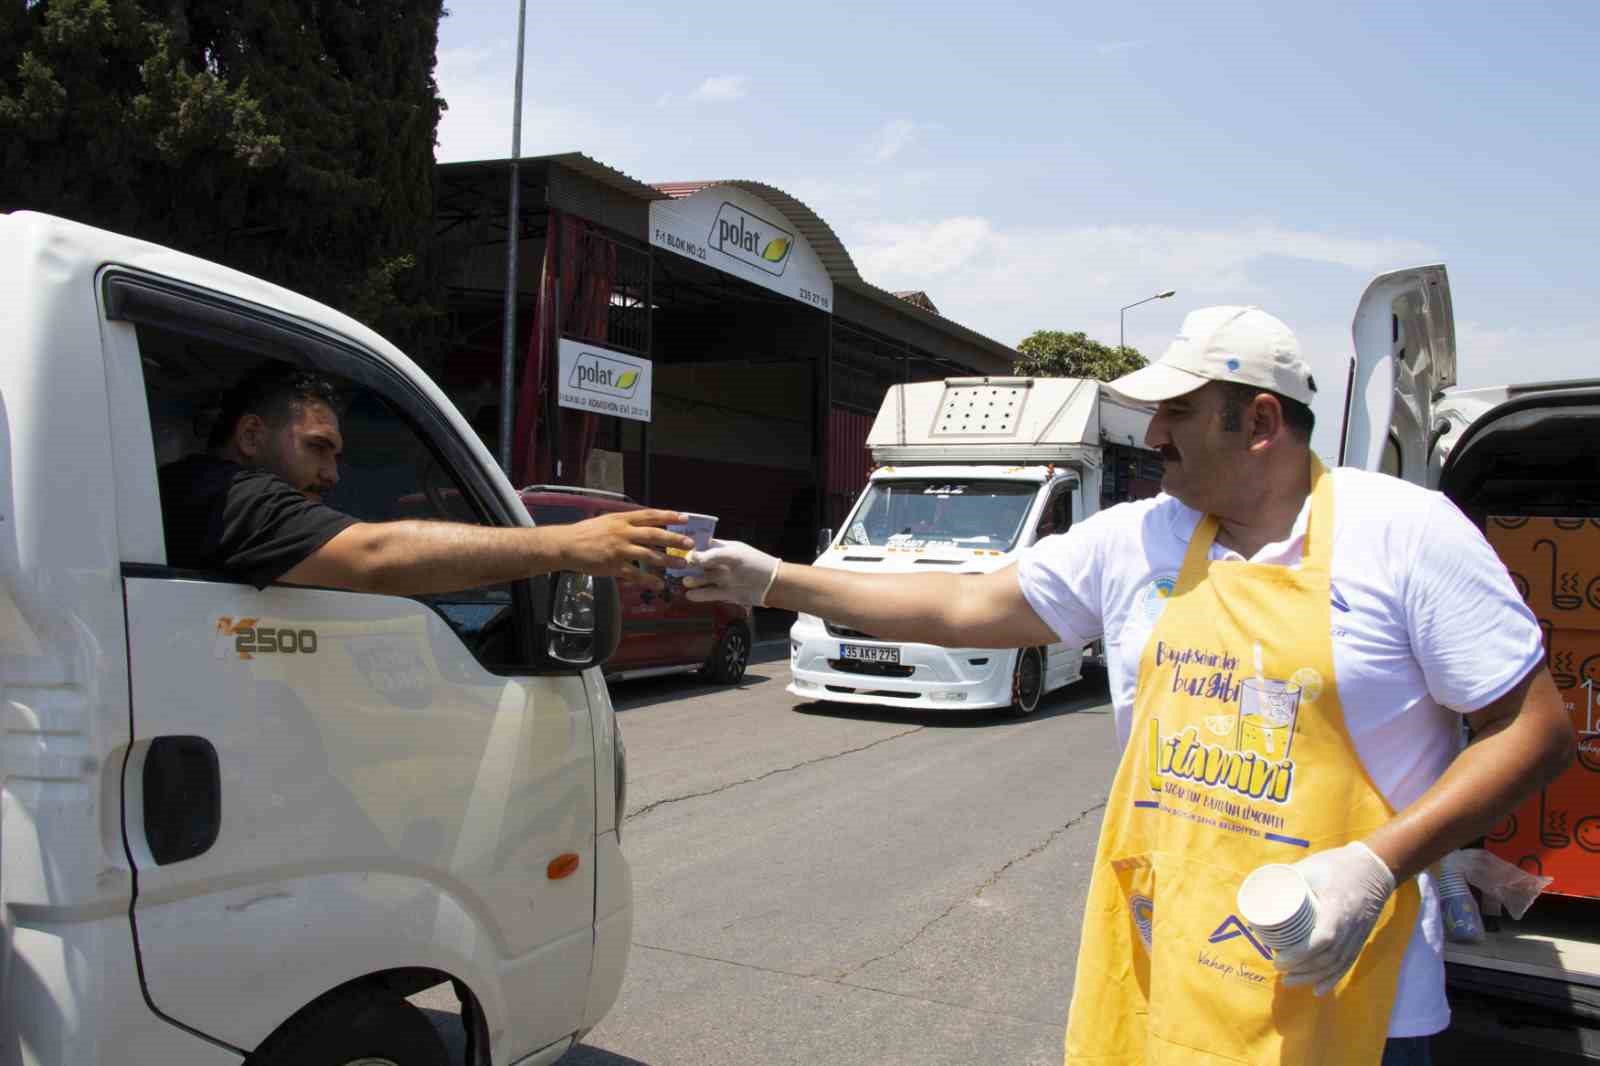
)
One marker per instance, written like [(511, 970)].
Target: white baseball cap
[(1241, 344)]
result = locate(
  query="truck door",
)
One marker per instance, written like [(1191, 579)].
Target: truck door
[(326, 784), (1405, 356)]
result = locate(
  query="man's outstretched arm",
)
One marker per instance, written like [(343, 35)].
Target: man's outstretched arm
[(953, 610), (414, 558)]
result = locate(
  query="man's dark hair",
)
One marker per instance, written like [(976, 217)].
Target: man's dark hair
[(1300, 419), (274, 393)]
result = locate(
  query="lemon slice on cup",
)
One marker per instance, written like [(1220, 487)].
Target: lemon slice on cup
[(1220, 724), (1310, 683)]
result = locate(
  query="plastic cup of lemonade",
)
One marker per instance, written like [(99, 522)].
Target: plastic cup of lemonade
[(698, 526), (1267, 711)]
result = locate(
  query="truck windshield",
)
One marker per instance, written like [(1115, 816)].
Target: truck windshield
[(915, 513)]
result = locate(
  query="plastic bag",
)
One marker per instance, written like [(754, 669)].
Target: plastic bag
[(1511, 886)]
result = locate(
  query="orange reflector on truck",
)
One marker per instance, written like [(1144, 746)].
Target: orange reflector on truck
[(562, 866)]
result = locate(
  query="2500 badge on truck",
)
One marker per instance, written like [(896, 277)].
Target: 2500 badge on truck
[(241, 824)]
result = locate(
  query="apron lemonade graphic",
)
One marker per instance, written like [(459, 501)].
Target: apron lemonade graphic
[(1247, 751)]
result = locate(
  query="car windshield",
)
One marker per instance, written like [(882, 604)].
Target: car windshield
[(916, 513)]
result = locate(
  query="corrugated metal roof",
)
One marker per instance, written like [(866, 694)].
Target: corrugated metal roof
[(575, 161), (824, 241)]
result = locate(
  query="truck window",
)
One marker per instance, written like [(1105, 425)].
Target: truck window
[(1057, 516), (390, 467), (915, 513)]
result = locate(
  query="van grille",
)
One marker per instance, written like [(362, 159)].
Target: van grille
[(855, 666)]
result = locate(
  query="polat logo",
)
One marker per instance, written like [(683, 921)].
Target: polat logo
[(751, 239), (604, 375)]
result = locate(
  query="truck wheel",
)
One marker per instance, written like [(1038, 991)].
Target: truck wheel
[(362, 1027), (729, 657), (1027, 682)]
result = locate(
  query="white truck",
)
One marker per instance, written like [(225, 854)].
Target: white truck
[(969, 472), (1505, 450), (243, 825)]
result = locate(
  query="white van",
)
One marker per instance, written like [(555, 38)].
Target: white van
[(1529, 449), (242, 825), (971, 471)]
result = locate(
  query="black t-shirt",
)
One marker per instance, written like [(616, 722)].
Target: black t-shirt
[(253, 525)]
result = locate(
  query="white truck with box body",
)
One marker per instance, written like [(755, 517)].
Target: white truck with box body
[(969, 472), (1517, 450), (242, 825)]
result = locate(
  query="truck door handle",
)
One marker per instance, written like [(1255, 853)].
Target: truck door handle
[(182, 798)]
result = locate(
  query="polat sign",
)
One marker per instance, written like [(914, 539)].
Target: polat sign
[(603, 381), (751, 239)]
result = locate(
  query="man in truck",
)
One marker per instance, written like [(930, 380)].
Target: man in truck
[(252, 506), (1291, 651)]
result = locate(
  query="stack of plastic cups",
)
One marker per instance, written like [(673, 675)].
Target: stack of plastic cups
[(1278, 904), (1462, 922)]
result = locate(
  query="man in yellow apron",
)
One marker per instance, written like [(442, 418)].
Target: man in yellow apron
[(1285, 645)]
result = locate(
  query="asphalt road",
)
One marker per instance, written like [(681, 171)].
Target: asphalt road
[(817, 883)]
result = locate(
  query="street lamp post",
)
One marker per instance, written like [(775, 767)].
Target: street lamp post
[(508, 325), (1123, 314)]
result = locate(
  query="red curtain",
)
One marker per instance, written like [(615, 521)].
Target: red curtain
[(585, 262)]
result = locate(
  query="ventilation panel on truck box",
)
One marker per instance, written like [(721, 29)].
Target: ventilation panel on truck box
[(987, 409)]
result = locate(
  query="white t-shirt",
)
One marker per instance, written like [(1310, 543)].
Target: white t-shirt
[(1427, 624)]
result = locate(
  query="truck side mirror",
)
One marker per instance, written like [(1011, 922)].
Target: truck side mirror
[(824, 539), (577, 621)]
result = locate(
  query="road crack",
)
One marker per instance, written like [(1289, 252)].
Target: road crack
[(647, 808), (857, 987), (977, 893)]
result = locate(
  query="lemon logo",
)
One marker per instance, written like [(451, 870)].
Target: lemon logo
[(596, 372), (1309, 681), (753, 240), (1220, 725)]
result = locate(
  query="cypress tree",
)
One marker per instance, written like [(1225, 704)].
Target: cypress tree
[(292, 139)]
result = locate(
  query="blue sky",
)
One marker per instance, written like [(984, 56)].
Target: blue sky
[(1039, 165)]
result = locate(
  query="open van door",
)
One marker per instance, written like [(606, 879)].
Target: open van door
[(1405, 357)]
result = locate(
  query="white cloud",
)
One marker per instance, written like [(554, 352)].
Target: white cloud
[(721, 87), (1111, 47), (478, 84), (1491, 354), (1007, 282), (892, 138)]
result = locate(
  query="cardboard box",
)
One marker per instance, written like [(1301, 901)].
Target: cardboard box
[(1557, 832), (1555, 563)]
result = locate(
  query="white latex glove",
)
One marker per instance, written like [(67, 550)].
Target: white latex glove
[(735, 573), (1351, 885)]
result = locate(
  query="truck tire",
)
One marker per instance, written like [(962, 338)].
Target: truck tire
[(729, 658), (360, 1027), (1027, 683)]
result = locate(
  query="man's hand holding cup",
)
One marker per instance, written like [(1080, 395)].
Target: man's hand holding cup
[(731, 572)]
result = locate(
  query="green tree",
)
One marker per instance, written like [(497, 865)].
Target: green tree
[(1051, 353), (292, 139)]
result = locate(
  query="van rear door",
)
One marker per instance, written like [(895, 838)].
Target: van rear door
[(1405, 356)]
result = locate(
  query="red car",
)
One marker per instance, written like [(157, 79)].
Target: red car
[(662, 632)]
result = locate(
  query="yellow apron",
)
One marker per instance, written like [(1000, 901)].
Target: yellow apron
[(1223, 773)]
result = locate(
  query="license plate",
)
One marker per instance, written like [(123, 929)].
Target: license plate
[(869, 654)]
